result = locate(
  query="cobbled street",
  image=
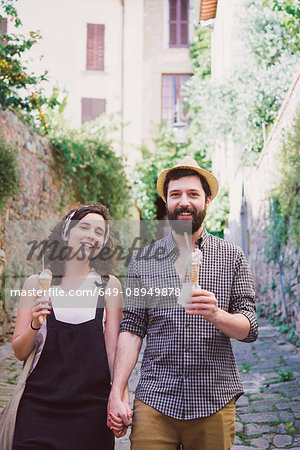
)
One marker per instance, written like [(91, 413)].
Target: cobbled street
[(268, 416)]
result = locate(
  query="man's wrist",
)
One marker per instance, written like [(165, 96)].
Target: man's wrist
[(116, 392), (219, 317)]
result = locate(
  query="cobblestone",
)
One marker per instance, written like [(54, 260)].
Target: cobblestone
[(282, 440), (278, 412)]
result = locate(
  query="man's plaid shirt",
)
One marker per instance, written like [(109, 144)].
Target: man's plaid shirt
[(188, 368)]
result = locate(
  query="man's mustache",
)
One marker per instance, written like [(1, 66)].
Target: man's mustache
[(179, 211)]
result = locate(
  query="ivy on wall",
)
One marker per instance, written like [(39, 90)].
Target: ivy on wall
[(287, 194), (88, 165), (9, 172), (246, 102)]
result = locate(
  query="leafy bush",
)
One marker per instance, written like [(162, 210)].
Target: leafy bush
[(20, 89), (288, 191), (200, 51), (9, 171), (286, 205), (89, 166), (288, 12), (239, 106)]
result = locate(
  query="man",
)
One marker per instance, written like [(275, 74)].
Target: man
[(189, 380)]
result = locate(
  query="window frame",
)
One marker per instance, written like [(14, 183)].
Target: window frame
[(178, 22), (177, 95), (102, 101), (94, 62)]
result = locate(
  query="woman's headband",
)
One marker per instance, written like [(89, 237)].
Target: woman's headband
[(67, 224)]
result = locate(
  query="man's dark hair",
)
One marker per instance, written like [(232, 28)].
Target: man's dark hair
[(175, 174)]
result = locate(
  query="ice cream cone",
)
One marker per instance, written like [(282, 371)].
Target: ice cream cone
[(45, 279), (193, 274), (194, 267)]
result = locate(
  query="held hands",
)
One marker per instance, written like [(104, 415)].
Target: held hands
[(119, 415), (40, 307), (203, 303)]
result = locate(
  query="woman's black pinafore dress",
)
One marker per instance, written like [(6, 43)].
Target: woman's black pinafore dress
[(64, 405)]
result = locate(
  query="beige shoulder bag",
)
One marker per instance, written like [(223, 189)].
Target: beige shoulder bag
[(9, 413)]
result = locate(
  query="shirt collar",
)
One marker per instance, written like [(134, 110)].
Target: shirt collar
[(172, 246), (201, 241)]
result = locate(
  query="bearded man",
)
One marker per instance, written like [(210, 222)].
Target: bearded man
[(189, 380)]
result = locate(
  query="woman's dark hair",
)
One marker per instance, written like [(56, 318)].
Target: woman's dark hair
[(175, 174), (57, 247)]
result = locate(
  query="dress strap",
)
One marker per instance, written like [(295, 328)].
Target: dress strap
[(101, 298)]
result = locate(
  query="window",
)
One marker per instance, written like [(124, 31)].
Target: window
[(95, 47), (178, 23), (171, 85), (3, 25), (92, 108)]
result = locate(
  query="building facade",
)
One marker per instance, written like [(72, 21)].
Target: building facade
[(116, 56)]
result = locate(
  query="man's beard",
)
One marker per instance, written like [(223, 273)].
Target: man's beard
[(182, 226)]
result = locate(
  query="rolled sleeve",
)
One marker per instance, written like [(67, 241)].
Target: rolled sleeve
[(135, 312), (242, 298), (134, 321)]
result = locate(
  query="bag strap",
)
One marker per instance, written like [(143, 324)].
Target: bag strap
[(27, 367)]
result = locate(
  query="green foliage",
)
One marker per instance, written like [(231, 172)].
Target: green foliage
[(9, 171), (88, 165), (245, 367), (217, 213), (283, 329), (20, 89), (285, 376), (279, 233), (292, 430), (288, 191), (200, 51), (292, 337), (273, 287), (238, 107), (286, 198), (288, 12)]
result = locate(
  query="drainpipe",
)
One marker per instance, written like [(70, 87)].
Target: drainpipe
[(122, 77)]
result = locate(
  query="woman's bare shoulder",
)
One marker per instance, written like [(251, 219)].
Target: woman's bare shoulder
[(113, 282)]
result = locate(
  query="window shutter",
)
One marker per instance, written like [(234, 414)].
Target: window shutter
[(178, 23), (172, 22), (184, 23), (3, 25), (92, 108), (95, 47)]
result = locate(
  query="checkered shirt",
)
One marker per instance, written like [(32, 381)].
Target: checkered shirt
[(188, 369)]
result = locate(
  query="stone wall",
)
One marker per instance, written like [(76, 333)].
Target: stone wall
[(42, 195), (260, 182)]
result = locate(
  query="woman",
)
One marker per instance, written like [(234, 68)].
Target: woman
[(65, 399)]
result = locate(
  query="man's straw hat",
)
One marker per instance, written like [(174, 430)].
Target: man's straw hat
[(188, 163)]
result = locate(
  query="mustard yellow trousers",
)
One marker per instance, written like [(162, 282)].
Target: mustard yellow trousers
[(152, 430)]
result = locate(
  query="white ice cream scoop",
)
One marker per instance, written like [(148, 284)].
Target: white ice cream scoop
[(45, 279)]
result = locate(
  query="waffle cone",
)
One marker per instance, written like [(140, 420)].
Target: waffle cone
[(194, 273)]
